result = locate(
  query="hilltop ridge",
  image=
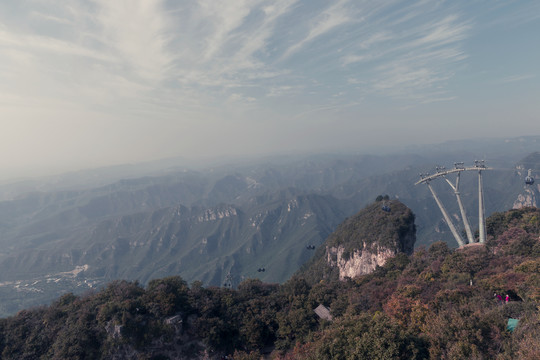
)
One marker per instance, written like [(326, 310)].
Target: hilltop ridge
[(364, 241)]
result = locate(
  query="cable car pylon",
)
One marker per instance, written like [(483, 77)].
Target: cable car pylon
[(446, 216), (479, 166), (455, 187)]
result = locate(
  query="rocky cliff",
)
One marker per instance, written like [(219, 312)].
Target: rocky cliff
[(364, 241), (369, 238)]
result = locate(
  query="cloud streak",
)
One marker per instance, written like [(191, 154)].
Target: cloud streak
[(207, 47), (516, 78), (409, 64), (329, 19)]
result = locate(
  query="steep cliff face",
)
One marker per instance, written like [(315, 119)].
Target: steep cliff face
[(526, 199), (360, 263), (369, 238), (363, 241)]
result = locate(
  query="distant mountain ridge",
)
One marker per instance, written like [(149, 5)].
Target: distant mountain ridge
[(201, 243), (208, 230)]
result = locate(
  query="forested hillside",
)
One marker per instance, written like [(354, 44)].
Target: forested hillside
[(437, 303)]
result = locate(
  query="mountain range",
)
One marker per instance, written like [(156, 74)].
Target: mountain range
[(235, 218)]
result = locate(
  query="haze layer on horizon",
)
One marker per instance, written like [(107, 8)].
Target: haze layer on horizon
[(94, 83)]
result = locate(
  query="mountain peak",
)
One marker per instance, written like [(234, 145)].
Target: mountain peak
[(364, 241), (389, 224)]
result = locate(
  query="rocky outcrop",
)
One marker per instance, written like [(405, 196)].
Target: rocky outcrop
[(527, 199), (370, 238), (360, 262)]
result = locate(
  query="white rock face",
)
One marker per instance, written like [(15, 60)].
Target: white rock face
[(360, 262), (528, 198), (211, 214)]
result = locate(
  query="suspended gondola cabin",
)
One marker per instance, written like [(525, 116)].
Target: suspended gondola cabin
[(529, 180)]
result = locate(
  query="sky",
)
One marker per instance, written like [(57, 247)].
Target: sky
[(87, 83)]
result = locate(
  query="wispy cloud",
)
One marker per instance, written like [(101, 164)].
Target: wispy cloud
[(37, 43), (52, 18), (231, 47), (331, 18), (210, 48), (351, 59), (512, 15), (138, 36), (445, 31), (278, 91), (422, 59), (516, 78)]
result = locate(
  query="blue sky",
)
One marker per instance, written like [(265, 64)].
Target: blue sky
[(91, 83)]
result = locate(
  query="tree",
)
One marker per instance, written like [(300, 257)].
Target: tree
[(167, 296)]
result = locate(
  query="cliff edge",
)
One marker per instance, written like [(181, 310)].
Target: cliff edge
[(364, 241)]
